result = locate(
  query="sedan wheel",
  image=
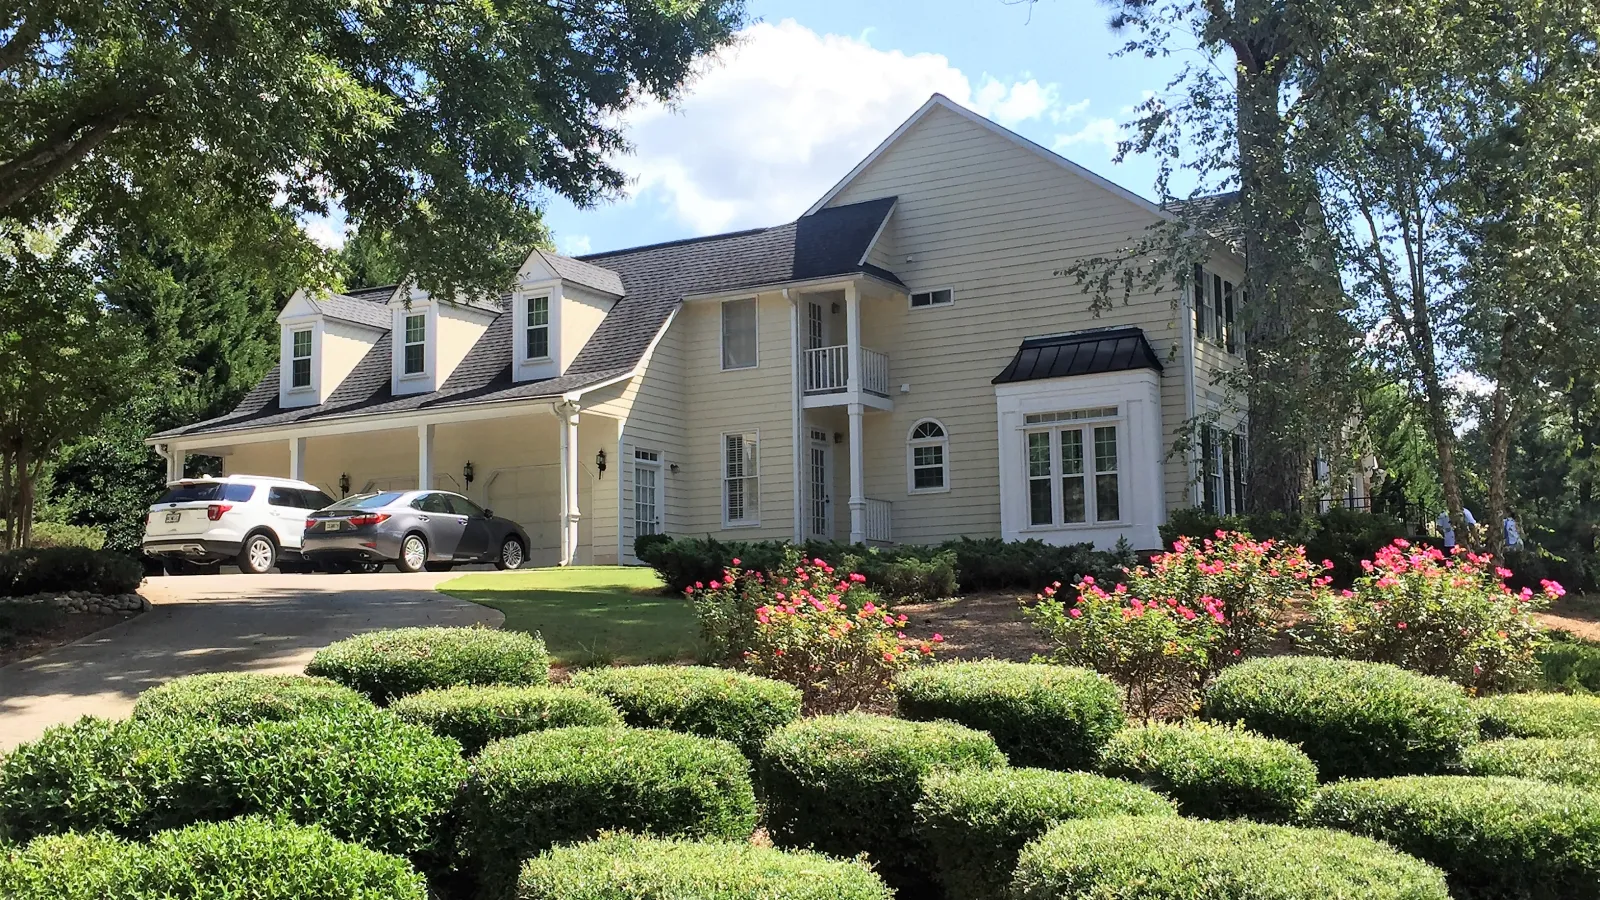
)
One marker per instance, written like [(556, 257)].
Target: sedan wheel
[(510, 554), (413, 554), (258, 555)]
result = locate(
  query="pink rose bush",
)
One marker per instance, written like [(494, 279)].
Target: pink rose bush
[(1449, 615)]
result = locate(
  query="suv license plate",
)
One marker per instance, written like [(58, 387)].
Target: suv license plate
[(331, 525), (175, 516)]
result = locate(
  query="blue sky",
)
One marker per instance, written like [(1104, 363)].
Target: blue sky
[(816, 84)]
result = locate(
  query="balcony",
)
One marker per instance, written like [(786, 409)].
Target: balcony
[(827, 371)]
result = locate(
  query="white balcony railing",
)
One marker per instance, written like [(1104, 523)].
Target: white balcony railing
[(880, 516), (827, 370)]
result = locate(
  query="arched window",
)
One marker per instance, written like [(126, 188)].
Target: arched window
[(927, 458)]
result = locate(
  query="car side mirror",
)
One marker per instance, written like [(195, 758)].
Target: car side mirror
[(488, 513)]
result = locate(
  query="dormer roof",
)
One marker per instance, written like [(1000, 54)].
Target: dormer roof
[(584, 274), (346, 308)]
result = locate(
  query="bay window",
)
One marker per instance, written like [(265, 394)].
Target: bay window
[(1073, 469)]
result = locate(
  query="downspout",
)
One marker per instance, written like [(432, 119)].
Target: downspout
[(161, 451), (795, 410), (622, 465), (1191, 374)]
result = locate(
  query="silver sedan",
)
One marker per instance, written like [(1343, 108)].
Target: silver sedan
[(415, 530)]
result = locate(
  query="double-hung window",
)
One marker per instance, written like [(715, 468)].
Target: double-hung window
[(741, 479), (1222, 471), (739, 334), (416, 346), (538, 334), (1074, 467), (928, 458), (1214, 309), (300, 359)]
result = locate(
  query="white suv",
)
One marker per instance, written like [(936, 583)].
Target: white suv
[(255, 521)]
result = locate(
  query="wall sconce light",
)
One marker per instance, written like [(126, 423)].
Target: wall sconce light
[(836, 309), (838, 437), (467, 472), (673, 467), (600, 461), (344, 484)]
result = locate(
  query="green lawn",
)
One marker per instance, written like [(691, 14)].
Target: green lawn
[(588, 615)]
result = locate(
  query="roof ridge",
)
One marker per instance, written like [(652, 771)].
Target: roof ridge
[(589, 257)]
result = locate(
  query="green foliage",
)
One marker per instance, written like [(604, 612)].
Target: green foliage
[(531, 792), (475, 715), (1539, 716), (849, 784), (386, 665), (1188, 859), (1055, 717), (976, 822), (62, 569), (1352, 718), (715, 703), (242, 698), (1573, 761), (627, 867), (1343, 537), (58, 534), (908, 578), (245, 859), (1567, 663), (1496, 838), (1215, 771)]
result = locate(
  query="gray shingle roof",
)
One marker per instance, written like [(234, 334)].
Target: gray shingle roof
[(359, 310), (1080, 353), (654, 280), (579, 272)]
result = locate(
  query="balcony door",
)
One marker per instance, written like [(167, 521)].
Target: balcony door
[(819, 477)]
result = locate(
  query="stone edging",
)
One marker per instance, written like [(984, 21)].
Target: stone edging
[(84, 602)]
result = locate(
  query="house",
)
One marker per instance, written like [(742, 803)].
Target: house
[(903, 363)]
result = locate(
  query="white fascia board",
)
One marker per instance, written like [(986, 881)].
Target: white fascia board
[(882, 227)]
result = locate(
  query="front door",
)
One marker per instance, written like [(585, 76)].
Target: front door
[(646, 492), (819, 475)]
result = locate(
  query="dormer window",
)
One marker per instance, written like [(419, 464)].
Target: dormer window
[(300, 359), (538, 331), (416, 344)]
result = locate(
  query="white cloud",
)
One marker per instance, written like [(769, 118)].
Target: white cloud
[(1469, 383), (774, 122), (573, 245), (1104, 132), (326, 231)]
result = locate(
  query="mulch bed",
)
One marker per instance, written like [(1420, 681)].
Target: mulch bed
[(33, 639)]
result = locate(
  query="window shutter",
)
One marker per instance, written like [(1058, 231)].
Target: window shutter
[(1241, 476), (1208, 491), (1199, 303), (1218, 332), (1227, 317)]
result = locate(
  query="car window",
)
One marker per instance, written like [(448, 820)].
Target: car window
[(461, 506), (435, 503), (238, 493), (281, 496), (316, 500), (367, 501), (201, 492)]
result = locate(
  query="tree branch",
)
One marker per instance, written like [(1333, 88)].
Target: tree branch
[(22, 176), (22, 41)]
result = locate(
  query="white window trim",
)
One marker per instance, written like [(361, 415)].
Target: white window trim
[(1091, 504), (752, 503), (722, 335), (911, 456), (311, 359), (427, 331), (650, 458), (528, 326), (932, 290)]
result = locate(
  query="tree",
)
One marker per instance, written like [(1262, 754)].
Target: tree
[(440, 123)]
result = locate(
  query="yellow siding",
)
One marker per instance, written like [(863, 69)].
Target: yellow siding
[(580, 314), (459, 329), (271, 458), (343, 346)]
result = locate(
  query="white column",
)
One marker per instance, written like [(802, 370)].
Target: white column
[(424, 457), (175, 460), (297, 459), (570, 514), (852, 320), (858, 476)]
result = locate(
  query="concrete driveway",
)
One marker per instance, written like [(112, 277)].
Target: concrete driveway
[(215, 623)]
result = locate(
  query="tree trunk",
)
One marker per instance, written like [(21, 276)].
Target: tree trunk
[(1501, 421)]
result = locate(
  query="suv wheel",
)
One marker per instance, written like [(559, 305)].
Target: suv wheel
[(510, 555), (413, 554), (258, 554)]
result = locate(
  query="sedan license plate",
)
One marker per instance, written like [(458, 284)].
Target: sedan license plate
[(175, 516), (331, 525)]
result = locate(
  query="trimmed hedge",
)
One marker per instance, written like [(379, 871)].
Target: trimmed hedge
[(386, 665), (976, 822), (849, 784), (476, 715), (243, 698), (1568, 662), (1215, 771), (1191, 859), (1054, 717), (531, 792), (43, 570), (245, 859), (1539, 716), (627, 867), (1572, 761), (1353, 719), (715, 703), (1500, 838)]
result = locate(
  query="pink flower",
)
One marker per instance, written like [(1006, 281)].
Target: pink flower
[(1552, 588), (938, 638), (869, 608), (1075, 612), (1502, 571), (736, 560), (715, 585), (888, 656), (1400, 625)]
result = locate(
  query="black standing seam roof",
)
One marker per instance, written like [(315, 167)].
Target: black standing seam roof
[(1092, 352)]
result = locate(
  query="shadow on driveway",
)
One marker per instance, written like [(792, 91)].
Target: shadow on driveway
[(219, 623)]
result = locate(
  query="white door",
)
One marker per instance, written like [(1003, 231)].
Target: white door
[(819, 476), (646, 492)]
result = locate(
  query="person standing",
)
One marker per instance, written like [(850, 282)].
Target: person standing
[(1447, 529), (1513, 535)]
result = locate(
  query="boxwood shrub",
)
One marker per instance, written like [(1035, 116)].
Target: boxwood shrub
[(849, 784), (531, 792), (1574, 761), (1539, 716), (709, 702), (386, 665), (1054, 717), (243, 698), (626, 867), (1494, 837), (1215, 771), (1352, 718), (976, 822), (244, 859), (43, 570), (1191, 859), (476, 715)]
